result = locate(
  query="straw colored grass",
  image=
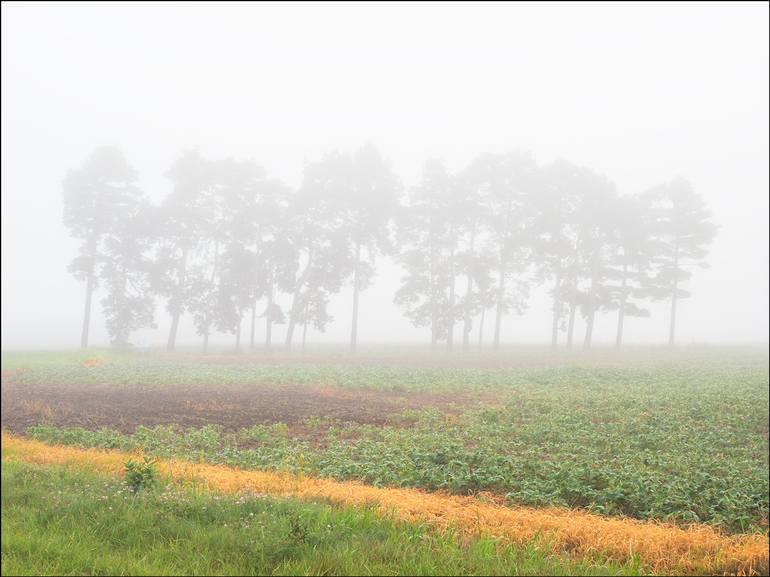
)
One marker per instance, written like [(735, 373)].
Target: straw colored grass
[(661, 547)]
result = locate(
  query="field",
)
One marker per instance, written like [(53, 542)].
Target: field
[(649, 460)]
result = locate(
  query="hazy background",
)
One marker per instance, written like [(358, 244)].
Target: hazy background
[(639, 92)]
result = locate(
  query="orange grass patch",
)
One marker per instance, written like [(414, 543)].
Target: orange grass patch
[(93, 362), (661, 547)]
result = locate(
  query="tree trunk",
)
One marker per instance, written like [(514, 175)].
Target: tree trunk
[(354, 323), (672, 326), (556, 313), (211, 280), (481, 326), (590, 318), (253, 322), (304, 328), (87, 311), (177, 307), (172, 332), (571, 323), (258, 244), (622, 308), (290, 331), (295, 301), (450, 341), (500, 297), (238, 335), (589, 330), (468, 294), (433, 311), (467, 320), (269, 319)]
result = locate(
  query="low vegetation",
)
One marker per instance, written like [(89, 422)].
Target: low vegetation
[(63, 521)]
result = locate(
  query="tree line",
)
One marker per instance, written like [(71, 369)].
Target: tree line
[(229, 243)]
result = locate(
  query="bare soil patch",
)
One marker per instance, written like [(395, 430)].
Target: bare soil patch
[(125, 407)]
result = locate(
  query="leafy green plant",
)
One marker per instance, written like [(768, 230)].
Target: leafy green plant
[(141, 474)]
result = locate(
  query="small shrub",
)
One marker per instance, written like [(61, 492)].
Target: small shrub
[(141, 475)]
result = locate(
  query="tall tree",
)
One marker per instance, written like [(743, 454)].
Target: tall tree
[(573, 244), (272, 250), (363, 191), (249, 205), (555, 238), (470, 214), (181, 228), (321, 255), (684, 231), (595, 250), (426, 243), (511, 182), (633, 259), (95, 199), (128, 304)]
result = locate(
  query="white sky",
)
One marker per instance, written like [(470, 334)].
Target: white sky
[(639, 92)]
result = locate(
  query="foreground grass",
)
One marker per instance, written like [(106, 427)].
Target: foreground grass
[(59, 520), (654, 546)]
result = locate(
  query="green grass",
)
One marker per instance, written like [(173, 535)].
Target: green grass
[(153, 369), (66, 521)]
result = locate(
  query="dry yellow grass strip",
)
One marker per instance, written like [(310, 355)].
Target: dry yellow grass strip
[(661, 547)]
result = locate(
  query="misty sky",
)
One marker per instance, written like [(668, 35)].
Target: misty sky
[(638, 92)]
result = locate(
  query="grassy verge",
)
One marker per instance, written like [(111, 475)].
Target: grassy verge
[(654, 546), (60, 520)]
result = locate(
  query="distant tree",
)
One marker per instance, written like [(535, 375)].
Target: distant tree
[(426, 243), (633, 259), (596, 246), (277, 260), (128, 304), (272, 250), (511, 181), (217, 210), (321, 255), (574, 243), (250, 203), (181, 229), (96, 199), (363, 191), (235, 290), (555, 237), (471, 212), (683, 231)]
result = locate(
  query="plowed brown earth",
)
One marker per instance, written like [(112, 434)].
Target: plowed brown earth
[(125, 407)]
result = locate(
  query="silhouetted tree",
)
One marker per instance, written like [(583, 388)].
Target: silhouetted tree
[(574, 244), (321, 255), (182, 227), (363, 191), (511, 181), (424, 236), (273, 252), (252, 203), (125, 273), (633, 259), (683, 230), (471, 212), (555, 237), (96, 199), (596, 246)]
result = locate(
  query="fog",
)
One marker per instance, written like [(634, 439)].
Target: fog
[(639, 94)]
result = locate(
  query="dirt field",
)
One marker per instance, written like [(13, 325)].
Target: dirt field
[(124, 407)]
